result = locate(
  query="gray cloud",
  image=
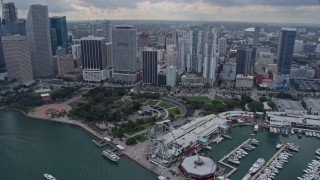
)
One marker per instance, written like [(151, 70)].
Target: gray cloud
[(264, 2), (55, 6)]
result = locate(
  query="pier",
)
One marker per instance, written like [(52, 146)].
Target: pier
[(100, 143), (270, 160), (233, 169)]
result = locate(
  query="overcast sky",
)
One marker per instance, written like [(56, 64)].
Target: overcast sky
[(291, 11)]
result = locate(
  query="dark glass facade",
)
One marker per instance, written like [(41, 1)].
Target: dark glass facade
[(285, 50), (60, 26)]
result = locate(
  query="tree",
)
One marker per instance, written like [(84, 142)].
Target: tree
[(263, 99), (256, 106), (131, 141)]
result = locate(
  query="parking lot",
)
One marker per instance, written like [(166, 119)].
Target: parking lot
[(308, 86)]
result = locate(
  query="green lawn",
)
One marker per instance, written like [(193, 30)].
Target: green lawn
[(203, 99), (174, 111), (166, 105), (152, 103)]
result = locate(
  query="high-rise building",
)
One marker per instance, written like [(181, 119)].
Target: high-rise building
[(244, 61), (125, 64), (195, 63), (76, 54), (109, 60), (183, 46), (9, 12), (222, 46), (143, 39), (17, 57), (92, 29), (256, 35), (107, 30), (150, 66), (93, 53), (2, 61), (171, 76), (285, 50), (59, 24), (210, 57), (38, 33), (64, 64), (54, 40), (298, 46), (11, 24)]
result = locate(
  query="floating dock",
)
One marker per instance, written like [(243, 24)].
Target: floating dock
[(270, 160), (233, 169), (100, 143)]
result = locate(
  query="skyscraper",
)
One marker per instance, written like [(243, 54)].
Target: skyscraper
[(150, 66), (93, 52), (256, 35), (59, 24), (9, 12), (107, 30), (183, 46), (195, 64), (222, 46), (17, 56), (171, 76), (38, 33), (285, 50), (11, 24), (244, 61), (125, 64), (2, 61), (210, 58), (144, 39), (93, 28)]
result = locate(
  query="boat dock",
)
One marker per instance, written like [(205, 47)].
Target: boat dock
[(233, 169), (100, 143), (270, 160)]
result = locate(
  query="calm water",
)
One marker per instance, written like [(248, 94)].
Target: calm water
[(266, 150), (29, 148)]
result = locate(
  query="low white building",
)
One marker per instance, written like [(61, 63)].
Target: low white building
[(244, 81), (302, 72), (192, 80)]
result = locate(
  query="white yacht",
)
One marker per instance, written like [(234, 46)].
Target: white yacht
[(279, 145), (257, 166), (49, 177), (162, 178), (110, 155)]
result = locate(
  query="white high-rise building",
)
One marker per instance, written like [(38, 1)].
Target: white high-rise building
[(107, 30), (93, 51), (76, 54), (171, 76), (222, 46), (183, 53), (125, 64), (38, 33), (298, 46), (210, 58), (17, 58)]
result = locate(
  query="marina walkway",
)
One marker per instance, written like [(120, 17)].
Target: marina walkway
[(233, 169), (270, 160)]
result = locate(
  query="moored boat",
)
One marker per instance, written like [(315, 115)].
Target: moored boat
[(49, 177)]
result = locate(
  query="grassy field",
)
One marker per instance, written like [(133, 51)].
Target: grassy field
[(152, 103), (174, 111), (166, 105), (203, 99)]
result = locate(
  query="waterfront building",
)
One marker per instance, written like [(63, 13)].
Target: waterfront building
[(38, 33), (245, 82), (256, 35), (58, 26), (285, 50), (210, 58), (195, 61), (171, 76), (198, 168), (125, 65), (17, 58), (229, 69), (93, 54), (150, 59), (222, 46), (244, 61)]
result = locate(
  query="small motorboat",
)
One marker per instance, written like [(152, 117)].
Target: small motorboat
[(49, 177)]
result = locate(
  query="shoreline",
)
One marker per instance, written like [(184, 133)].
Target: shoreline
[(83, 127)]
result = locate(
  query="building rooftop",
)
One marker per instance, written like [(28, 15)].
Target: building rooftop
[(93, 38), (199, 165)]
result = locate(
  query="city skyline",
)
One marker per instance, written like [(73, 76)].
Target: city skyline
[(289, 11)]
